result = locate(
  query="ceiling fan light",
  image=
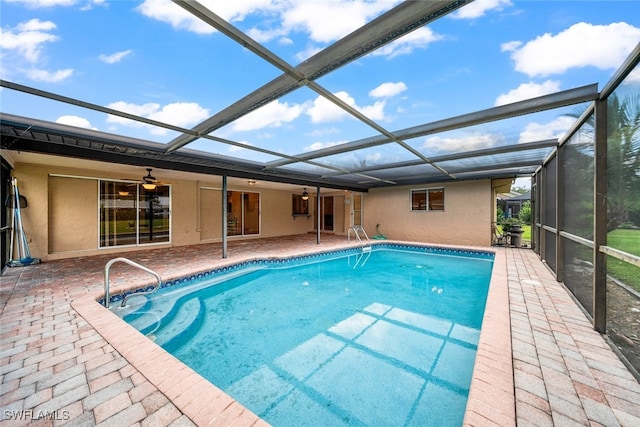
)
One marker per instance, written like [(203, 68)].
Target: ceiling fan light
[(148, 181), (305, 195)]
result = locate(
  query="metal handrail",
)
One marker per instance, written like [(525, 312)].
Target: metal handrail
[(365, 248), (355, 229), (107, 268)]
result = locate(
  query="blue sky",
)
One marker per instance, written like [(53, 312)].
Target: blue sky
[(152, 59)]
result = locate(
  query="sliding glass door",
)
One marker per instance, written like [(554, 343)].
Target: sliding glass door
[(131, 215), (243, 213), (326, 214)]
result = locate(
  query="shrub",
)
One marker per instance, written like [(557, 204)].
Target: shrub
[(525, 213)]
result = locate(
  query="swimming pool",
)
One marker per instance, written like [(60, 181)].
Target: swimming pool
[(386, 338)]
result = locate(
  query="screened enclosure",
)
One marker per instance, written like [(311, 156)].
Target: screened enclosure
[(587, 212), (585, 184)]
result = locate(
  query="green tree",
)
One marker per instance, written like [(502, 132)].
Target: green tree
[(623, 158), (525, 213)]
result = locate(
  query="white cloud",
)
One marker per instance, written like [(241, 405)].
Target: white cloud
[(235, 148), (319, 145), (324, 24), (177, 17), (48, 76), (307, 53), (183, 114), (319, 132), (581, 45), (418, 39), (262, 36), (23, 44), (476, 141), (174, 15), (479, 8), (387, 90), (274, 114), (374, 111), (115, 57), (76, 121), (510, 46), (308, 17), (633, 77), (528, 91), (28, 38), (323, 110), (541, 131)]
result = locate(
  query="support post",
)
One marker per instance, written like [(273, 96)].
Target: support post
[(600, 218), (560, 213), (318, 215), (543, 205), (224, 216)]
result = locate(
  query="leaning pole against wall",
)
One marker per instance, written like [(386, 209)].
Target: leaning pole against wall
[(19, 245)]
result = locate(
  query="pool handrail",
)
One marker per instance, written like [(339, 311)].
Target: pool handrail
[(107, 269), (356, 229)]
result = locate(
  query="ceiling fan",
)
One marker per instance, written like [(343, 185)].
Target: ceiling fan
[(148, 182)]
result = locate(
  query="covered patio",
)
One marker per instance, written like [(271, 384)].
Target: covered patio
[(550, 351)]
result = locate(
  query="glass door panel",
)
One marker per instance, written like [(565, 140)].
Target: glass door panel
[(154, 215), (243, 213), (118, 219), (251, 213), (234, 213), (327, 213), (357, 209)]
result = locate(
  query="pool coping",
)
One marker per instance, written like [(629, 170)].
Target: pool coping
[(491, 395)]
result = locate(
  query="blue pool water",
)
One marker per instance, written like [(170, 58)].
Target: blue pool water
[(381, 339)]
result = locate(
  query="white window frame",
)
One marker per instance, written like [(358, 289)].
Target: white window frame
[(426, 192)]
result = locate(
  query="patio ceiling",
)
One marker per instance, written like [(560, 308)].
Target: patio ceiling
[(400, 159)]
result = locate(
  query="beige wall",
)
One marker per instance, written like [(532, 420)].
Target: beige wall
[(71, 226), (466, 219), (32, 183), (62, 218)]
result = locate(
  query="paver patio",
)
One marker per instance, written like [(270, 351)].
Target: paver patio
[(64, 357)]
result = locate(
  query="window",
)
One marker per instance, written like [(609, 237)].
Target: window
[(431, 199), (299, 206), (131, 215)]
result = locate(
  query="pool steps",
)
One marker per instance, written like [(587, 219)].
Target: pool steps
[(170, 324), (191, 315)]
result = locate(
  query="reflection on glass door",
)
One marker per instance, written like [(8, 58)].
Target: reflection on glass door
[(243, 213), (234, 213), (154, 215), (131, 215), (326, 214), (118, 216), (251, 213), (357, 209)]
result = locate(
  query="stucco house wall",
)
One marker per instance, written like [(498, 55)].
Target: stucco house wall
[(465, 220), (62, 218)]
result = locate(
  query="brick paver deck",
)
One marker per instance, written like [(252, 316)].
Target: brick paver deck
[(63, 357)]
